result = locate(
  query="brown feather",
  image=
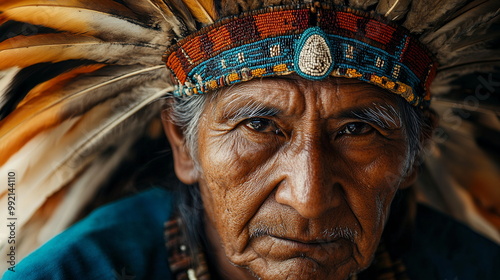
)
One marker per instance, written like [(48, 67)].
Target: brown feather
[(108, 6), (60, 47), (473, 19), (421, 17), (80, 20), (362, 4), (58, 83)]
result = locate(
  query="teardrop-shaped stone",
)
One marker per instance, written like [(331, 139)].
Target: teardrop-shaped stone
[(315, 57)]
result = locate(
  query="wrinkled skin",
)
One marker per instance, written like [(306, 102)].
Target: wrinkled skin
[(303, 190)]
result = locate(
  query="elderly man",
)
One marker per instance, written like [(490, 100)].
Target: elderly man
[(297, 176), (295, 131)]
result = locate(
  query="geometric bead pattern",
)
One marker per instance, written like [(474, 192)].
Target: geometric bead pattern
[(314, 42)]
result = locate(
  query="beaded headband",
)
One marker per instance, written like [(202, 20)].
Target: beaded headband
[(314, 42)]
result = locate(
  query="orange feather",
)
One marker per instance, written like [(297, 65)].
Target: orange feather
[(202, 10)]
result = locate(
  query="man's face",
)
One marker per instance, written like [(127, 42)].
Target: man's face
[(298, 176)]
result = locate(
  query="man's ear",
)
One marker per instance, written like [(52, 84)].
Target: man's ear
[(431, 120), (410, 179), (183, 163)]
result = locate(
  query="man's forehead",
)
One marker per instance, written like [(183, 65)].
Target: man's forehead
[(293, 95)]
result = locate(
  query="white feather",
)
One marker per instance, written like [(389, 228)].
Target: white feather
[(79, 142), (6, 77)]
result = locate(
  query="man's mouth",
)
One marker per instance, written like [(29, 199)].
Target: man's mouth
[(306, 241), (318, 250), (304, 245)]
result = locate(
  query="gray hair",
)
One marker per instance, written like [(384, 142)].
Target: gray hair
[(186, 113)]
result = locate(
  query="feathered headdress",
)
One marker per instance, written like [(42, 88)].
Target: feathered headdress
[(80, 81)]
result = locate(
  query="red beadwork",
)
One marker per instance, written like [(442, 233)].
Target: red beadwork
[(252, 27)]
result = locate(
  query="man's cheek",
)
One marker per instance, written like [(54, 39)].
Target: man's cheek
[(228, 159), (382, 174)]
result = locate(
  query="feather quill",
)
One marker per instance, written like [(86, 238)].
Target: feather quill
[(393, 9)]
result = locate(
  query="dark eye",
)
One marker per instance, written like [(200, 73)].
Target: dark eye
[(262, 125), (356, 128)]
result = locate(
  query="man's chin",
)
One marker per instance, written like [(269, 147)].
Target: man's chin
[(281, 258), (302, 268)]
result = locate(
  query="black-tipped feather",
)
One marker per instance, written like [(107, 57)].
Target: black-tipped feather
[(30, 77)]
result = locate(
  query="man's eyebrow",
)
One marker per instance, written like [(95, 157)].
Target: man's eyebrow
[(383, 115), (250, 109)]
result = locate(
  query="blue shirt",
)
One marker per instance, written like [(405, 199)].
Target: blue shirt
[(447, 250), (122, 240)]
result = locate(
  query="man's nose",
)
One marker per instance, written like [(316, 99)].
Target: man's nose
[(310, 186)]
